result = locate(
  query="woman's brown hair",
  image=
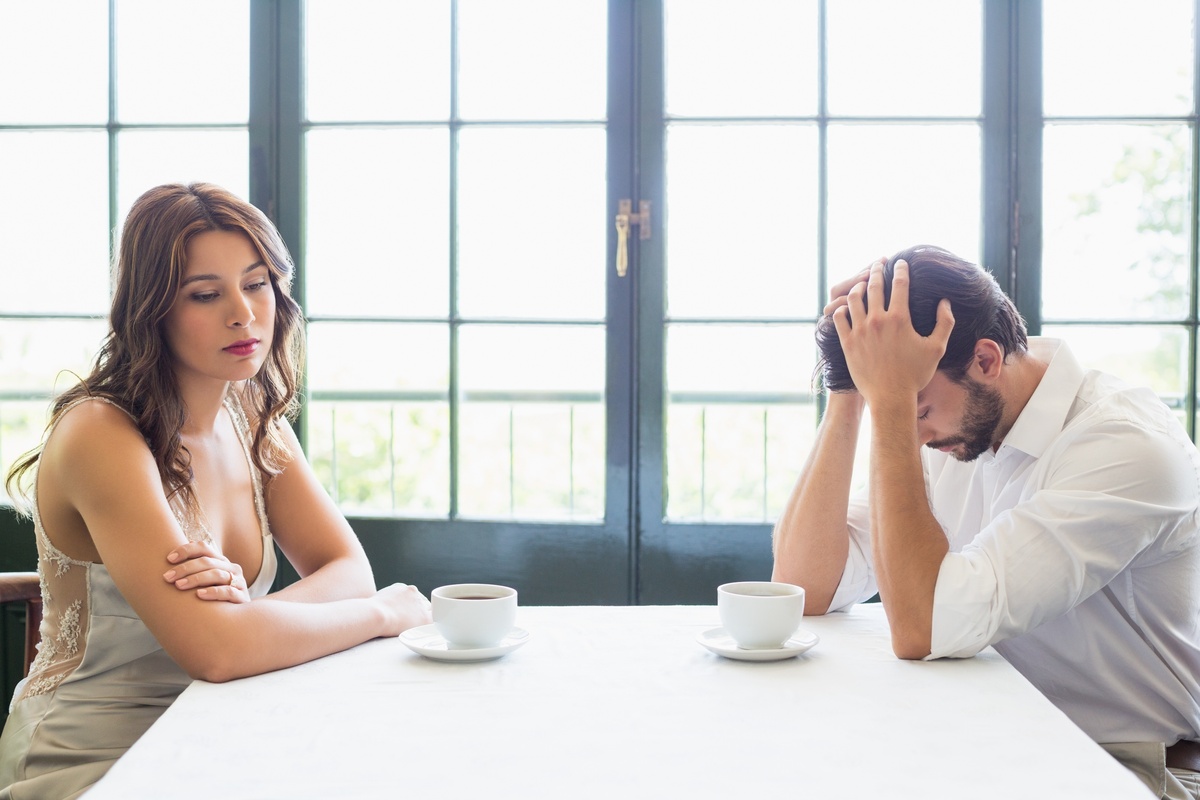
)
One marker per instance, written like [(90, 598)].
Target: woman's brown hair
[(134, 367)]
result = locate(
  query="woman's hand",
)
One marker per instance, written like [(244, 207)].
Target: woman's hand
[(404, 607), (198, 565)]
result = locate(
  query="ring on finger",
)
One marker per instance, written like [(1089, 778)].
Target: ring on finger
[(232, 579)]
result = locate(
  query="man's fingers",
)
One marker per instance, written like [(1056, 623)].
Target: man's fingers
[(843, 288), (833, 305), (899, 286), (856, 307), (945, 323), (841, 322), (875, 287)]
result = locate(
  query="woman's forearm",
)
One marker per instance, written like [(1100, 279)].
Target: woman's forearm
[(341, 579)]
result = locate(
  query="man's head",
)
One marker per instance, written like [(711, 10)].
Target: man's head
[(981, 311)]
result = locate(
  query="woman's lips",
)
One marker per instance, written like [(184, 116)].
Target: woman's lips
[(243, 348)]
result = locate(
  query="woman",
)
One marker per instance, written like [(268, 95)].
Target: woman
[(162, 482)]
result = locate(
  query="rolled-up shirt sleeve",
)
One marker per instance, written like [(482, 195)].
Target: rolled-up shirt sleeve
[(858, 578), (1107, 493)]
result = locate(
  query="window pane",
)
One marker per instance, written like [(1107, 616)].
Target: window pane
[(21, 425), (733, 360), (532, 59), (532, 359), (738, 424), (151, 158), (40, 355), (742, 202), (532, 461), (52, 88), (378, 222), (545, 483), (531, 442), (377, 60), (389, 458), (1117, 204), (893, 186), (735, 462), (183, 61), (361, 356), (1156, 357), (1116, 57), (759, 61), (531, 221), (916, 58), (54, 243)]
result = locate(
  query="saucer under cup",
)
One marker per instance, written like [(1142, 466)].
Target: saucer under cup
[(474, 615), (760, 615)]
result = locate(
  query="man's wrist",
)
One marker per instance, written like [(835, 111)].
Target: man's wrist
[(845, 401)]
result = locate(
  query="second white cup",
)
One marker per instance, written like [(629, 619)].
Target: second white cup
[(474, 614), (760, 615)]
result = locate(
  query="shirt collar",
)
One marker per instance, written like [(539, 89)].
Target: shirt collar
[(1044, 415)]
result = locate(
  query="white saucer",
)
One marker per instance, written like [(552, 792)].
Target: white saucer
[(721, 643), (428, 642)]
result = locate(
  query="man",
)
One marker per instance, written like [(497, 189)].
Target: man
[(1053, 513)]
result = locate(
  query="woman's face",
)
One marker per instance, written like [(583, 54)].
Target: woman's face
[(223, 319)]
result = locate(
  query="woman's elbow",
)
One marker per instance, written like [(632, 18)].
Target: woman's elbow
[(213, 668)]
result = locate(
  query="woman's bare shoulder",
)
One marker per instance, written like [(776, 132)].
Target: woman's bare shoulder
[(95, 411), (93, 425)]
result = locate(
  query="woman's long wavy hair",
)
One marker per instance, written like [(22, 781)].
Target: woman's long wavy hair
[(135, 367)]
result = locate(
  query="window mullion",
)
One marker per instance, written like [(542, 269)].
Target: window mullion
[(1026, 290), (999, 126)]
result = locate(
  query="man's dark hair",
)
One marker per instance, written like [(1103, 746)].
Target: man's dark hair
[(981, 311)]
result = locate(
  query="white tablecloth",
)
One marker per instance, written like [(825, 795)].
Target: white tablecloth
[(622, 702)]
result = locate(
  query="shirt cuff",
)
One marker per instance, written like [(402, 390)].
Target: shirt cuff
[(963, 602), (858, 582)]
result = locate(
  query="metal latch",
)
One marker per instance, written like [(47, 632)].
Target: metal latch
[(625, 218)]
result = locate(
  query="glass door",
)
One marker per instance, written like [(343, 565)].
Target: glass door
[(465, 335), (798, 144)]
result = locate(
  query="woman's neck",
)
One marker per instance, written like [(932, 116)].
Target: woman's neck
[(203, 404)]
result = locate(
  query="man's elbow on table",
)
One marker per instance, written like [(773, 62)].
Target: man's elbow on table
[(911, 642)]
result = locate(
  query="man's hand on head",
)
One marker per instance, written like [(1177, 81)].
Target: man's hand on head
[(885, 354), (839, 291)]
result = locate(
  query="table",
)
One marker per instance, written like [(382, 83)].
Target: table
[(622, 702)]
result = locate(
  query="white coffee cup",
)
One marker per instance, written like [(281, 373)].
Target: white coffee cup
[(760, 615), (474, 614)]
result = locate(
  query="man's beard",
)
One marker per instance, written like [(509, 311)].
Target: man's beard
[(983, 410)]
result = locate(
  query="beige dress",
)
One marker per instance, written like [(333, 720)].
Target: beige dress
[(100, 678)]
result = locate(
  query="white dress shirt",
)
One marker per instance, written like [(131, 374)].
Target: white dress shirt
[(1075, 552)]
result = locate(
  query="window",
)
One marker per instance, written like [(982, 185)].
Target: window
[(1119, 196), (454, 257), (80, 138), (486, 396), (797, 150)]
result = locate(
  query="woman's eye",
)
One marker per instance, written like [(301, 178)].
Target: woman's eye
[(257, 285), (204, 297)]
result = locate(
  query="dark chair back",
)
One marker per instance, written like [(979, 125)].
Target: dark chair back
[(25, 587)]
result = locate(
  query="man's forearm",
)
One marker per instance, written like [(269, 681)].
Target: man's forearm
[(906, 539), (811, 540)]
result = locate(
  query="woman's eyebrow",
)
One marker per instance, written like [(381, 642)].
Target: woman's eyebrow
[(210, 277)]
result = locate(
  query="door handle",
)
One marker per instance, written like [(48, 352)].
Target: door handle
[(626, 218)]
